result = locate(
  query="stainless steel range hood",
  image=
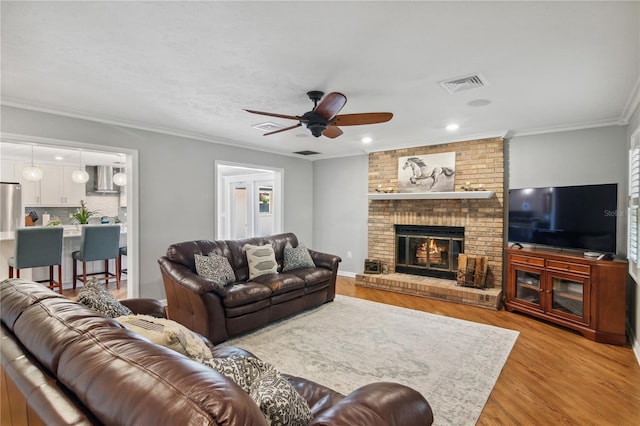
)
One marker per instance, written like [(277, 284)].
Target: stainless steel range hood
[(101, 180)]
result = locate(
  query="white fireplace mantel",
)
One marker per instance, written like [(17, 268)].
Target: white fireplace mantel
[(457, 195)]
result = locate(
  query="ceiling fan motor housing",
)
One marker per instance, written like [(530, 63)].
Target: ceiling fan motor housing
[(316, 123)]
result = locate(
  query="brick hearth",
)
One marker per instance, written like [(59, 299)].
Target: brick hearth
[(480, 162), (435, 288)]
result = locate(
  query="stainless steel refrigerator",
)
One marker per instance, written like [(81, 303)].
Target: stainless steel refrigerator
[(11, 214)]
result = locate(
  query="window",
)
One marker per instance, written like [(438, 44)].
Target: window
[(633, 228)]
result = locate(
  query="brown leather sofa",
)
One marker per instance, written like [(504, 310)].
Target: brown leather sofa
[(65, 364), (219, 312)]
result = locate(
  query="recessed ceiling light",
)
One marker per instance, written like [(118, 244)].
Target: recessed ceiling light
[(479, 102), (452, 127), (58, 157), (367, 139)]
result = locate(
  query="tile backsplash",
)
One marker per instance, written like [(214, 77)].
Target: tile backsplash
[(103, 205)]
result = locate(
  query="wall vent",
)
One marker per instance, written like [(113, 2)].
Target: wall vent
[(306, 152), (472, 81)]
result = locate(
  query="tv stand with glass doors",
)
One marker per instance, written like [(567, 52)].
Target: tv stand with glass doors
[(584, 294)]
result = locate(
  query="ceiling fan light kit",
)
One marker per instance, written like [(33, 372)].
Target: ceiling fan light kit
[(323, 119)]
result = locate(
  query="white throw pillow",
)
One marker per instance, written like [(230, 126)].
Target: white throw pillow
[(261, 260), (168, 333)]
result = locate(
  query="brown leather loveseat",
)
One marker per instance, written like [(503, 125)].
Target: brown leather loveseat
[(220, 312), (65, 364)]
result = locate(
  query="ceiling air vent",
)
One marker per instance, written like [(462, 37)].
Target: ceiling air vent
[(459, 84), (268, 126), (306, 152)]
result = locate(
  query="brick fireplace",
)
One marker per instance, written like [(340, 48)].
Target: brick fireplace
[(479, 164)]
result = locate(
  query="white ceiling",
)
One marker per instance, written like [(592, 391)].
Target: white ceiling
[(189, 68)]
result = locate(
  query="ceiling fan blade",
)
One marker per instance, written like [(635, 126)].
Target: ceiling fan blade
[(282, 130), (271, 114), (332, 132), (363, 118), (330, 105)]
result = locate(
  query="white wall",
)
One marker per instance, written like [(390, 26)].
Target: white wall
[(341, 206), (176, 182), (633, 293), (579, 157)]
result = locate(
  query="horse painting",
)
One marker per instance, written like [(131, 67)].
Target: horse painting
[(422, 171)]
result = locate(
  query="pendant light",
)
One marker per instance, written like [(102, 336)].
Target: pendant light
[(32, 173), (120, 178), (80, 175)]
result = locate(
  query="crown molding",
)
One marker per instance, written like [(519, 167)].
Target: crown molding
[(632, 103), (461, 138), (568, 127), (137, 126)]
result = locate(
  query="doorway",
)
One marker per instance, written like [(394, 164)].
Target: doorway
[(125, 205), (249, 201)]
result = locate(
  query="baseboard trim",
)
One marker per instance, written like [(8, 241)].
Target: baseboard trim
[(347, 274)]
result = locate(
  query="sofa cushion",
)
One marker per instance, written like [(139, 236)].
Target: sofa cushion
[(297, 258), (244, 293), (168, 333), (276, 397), (261, 260), (215, 268), (96, 296), (280, 283), (312, 276)]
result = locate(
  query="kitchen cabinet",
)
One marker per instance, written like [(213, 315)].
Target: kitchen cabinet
[(11, 171), (72, 192), (584, 294), (55, 189), (30, 190)]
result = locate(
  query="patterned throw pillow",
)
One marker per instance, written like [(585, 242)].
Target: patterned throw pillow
[(216, 268), (296, 258), (168, 333), (261, 260), (280, 403), (96, 296)]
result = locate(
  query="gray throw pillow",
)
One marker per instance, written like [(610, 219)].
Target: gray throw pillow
[(261, 260), (296, 258), (215, 268), (96, 296), (280, 403)]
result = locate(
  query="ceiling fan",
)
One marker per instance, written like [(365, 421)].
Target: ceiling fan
[(324, 119)]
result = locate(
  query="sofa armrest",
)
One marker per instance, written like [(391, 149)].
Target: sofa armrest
[(324, 260), (142, 306), (319, 397), (183, 276), (378, 404)]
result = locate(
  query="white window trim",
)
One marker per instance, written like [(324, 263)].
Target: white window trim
[(633, 207)]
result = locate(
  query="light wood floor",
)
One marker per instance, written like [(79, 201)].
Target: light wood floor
[(553, 376)]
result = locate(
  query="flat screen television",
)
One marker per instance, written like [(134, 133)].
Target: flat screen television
[(573, 217)]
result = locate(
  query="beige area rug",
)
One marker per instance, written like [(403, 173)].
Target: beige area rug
[(351, 342)]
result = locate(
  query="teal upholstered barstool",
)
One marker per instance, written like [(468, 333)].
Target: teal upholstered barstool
[(38, 247), (123, 252), (98, 242)]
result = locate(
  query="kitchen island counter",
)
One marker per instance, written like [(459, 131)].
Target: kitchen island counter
[(71, 243)]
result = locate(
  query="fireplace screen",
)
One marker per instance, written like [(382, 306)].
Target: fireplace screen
[(431, 251)]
